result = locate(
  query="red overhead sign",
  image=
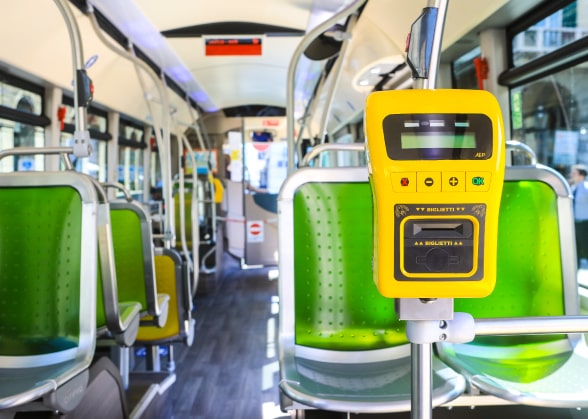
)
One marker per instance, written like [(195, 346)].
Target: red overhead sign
[(233, 46)]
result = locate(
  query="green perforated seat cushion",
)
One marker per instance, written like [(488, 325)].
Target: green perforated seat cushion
[(128, 255), (529, 283), (337, 305), (40, 230), (529, 271)]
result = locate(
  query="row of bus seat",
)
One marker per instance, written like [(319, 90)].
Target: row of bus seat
[(342, 346), (78, 271)]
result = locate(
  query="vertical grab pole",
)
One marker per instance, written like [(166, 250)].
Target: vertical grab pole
[(169, 234), (421, 359), (430, 82), (425, 42), (205, 144), (81, 82), (162, 133)]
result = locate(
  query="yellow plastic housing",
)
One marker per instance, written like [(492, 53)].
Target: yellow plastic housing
[(479, 185)]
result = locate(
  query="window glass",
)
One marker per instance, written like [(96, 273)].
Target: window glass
[(130, 158), (130, 170), (560, 28), (96, 164), (464, 70), (15, 95), (132, 133), (95, 120), (551, 116), (16, 134)]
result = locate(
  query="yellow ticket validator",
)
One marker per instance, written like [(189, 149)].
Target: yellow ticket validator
[(436, 164)]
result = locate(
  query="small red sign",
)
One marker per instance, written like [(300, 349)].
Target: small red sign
[(255, 229), (233, 46)]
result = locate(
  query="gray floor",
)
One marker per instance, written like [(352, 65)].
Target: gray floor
[(231, 370)]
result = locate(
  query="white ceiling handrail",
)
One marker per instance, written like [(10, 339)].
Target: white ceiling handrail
[(304, 43)]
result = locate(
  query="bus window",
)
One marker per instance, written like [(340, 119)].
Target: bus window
[(551, 116), (25, 128), (548, 34), (96, 164), (131, 145), (463, 70), (549, 112)]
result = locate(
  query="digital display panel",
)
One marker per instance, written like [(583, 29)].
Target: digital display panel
[(438, 136), (437, 140)]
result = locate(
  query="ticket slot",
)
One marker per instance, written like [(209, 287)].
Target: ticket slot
[(437, 228), (438, 246)]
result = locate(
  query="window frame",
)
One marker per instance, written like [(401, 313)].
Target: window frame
[(15, 115), (560, 59)]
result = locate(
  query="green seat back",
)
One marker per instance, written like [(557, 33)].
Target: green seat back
[(529, 272), (128, 254), (337, 305), (40, 230)]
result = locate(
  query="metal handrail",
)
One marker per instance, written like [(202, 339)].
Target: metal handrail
[(517, 146), (335, 74), (162, 137), (120, 187), (304, 43), (82, 146), (321, 148), (31, 151)]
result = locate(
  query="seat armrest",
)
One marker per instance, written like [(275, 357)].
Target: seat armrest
[(130, 312), (163, 302)]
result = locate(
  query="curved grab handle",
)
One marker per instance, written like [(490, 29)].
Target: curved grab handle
[(83, 90), (304, 43), (31, 151), (321, 148), (517, 146), (120, 187)]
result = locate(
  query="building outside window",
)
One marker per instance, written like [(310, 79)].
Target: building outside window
[(549, 112), (560, 28), (22, 122), (130, 157)]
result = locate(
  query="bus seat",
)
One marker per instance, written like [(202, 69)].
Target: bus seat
[(48, 259), (189, 221), (191, 230), (342, 347), (133, 255), (115, 318), (536, 276), (219, 190), (172, 278)]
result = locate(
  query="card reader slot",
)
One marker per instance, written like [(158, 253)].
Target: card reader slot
[(421, 229)]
